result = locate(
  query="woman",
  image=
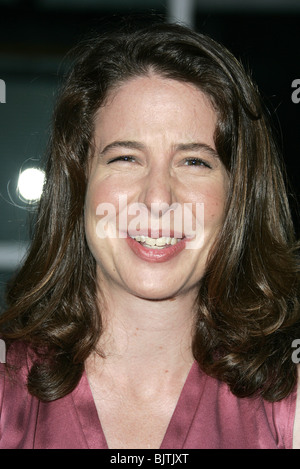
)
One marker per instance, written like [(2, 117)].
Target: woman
[(174, 334)]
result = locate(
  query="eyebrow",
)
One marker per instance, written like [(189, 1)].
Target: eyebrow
[(134, 145), (131, 144), (198, 146)]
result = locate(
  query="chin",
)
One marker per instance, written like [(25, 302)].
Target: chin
[(157, 297), (157, 293)]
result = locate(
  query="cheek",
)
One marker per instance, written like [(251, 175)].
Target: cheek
[(102, 210), (95, 196), (101, 192), (214, 199)]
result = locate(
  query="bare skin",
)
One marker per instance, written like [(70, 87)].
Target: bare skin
[(169, 156)]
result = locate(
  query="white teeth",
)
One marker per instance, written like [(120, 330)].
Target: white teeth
[(163, 241)]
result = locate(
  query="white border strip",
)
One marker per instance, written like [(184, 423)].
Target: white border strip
[(11, 254)]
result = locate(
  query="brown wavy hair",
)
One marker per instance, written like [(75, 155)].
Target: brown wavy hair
[(248, 309)]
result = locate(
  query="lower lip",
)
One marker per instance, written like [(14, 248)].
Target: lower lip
[(155, 255)]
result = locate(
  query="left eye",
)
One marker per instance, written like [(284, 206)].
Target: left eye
[(126, 159), (196, 162)]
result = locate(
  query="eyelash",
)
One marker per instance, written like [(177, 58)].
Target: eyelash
[(122, 158), (196, 161)]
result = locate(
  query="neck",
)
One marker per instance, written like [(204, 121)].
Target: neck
[(146, 336)]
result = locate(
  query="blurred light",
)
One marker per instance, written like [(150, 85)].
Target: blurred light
[(181, 11), (12, 254), (30, 184)]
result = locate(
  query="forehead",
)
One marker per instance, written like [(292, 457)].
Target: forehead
[(158, 104)]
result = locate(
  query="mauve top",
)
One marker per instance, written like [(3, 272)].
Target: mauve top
[(207, 415)]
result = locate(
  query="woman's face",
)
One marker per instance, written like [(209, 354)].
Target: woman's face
[(157, 189)]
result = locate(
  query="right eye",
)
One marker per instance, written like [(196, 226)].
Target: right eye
[(126, 159)]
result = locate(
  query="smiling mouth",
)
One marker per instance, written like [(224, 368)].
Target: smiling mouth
[(156, 243)]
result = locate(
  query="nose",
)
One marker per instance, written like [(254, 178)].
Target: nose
[(157, 192)]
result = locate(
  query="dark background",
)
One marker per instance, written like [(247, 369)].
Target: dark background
[(35, 36)]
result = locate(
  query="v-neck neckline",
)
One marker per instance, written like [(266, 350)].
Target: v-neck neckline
[(178, 426)]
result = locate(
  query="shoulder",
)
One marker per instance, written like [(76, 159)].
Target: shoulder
[(18, 409), (15, 356), (283, 418), (14, 369), (296, 434), (255, 422)]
